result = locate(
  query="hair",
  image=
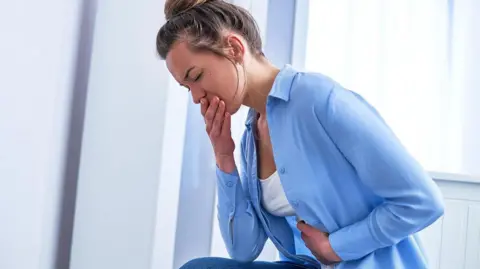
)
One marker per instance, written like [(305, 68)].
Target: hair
[(202, 24)]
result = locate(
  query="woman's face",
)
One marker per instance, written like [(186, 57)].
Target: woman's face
[(207, 75)]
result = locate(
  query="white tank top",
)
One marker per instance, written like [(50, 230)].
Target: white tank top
[(273, 197), (275, 201)]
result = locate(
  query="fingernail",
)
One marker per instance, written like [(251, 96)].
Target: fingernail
[(202, 102)]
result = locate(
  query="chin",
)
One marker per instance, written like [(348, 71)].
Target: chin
[(233, 109)]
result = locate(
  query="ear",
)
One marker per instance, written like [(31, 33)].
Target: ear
[(235, 47)]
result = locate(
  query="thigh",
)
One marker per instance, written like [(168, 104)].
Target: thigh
[(222, 263)]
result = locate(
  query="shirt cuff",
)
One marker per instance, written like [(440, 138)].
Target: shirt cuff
[(354, 242), (227, 185)]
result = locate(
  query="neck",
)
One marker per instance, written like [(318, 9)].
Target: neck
[(261, 75)]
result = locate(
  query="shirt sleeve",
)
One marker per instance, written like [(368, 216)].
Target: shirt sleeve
[(240, 227), (412, 201)]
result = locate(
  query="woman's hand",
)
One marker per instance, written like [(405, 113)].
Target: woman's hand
[(218, 127), (318, 243)]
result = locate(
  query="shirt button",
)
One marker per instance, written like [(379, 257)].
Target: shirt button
[(282, 170), (295, 203), (229, 184)]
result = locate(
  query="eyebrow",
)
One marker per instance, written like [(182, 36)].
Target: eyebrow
[(188, 72)]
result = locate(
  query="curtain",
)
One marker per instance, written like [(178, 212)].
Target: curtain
[(409, 59)]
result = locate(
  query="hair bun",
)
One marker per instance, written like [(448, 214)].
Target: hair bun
[(175, 7)]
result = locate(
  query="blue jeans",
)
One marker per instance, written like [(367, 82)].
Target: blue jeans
[(222, 263)]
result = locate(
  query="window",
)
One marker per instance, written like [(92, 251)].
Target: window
[(401, 56)]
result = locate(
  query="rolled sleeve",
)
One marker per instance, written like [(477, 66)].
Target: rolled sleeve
[(412, 201)]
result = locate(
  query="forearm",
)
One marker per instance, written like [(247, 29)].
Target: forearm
[(226, 163), (386, 225), (411, 200), (241, 230)]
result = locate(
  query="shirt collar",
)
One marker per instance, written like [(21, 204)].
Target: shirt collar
[(280, 89)]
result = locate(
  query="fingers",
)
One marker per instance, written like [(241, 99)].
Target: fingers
[(227, 123), (305, 228), (218, 120), (304, 237), (204, 106), (210, 114)]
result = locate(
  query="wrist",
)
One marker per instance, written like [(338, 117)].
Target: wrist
[(330, 253), (226, 163)]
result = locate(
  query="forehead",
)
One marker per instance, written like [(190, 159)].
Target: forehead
[(179, 59)]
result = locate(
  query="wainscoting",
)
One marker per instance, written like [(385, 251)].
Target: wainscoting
[(453, 242)]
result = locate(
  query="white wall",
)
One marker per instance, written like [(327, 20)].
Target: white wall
[(37, 47), (122, 146)]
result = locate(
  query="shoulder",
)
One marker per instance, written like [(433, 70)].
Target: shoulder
[(312, 92), (310, 84), (325, 96)]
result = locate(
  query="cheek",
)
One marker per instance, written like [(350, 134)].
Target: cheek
[(221, 85)]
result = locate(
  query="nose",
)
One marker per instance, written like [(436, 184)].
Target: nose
[(197, 94)]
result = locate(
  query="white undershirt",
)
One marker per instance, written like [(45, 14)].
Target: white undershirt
[(273, 197), (275, 201)]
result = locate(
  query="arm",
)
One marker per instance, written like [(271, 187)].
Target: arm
[(241, 230), (412, 201)]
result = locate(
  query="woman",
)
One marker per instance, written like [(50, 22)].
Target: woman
[(322, 175)]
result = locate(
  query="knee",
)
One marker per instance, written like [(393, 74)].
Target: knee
[(204, 263)]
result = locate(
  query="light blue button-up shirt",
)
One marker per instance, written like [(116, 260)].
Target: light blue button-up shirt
[(343, 171)]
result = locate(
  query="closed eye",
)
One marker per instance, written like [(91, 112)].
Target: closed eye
[(185, 86), (198, 77)]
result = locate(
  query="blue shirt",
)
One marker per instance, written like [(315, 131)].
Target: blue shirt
[(343, 171)]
